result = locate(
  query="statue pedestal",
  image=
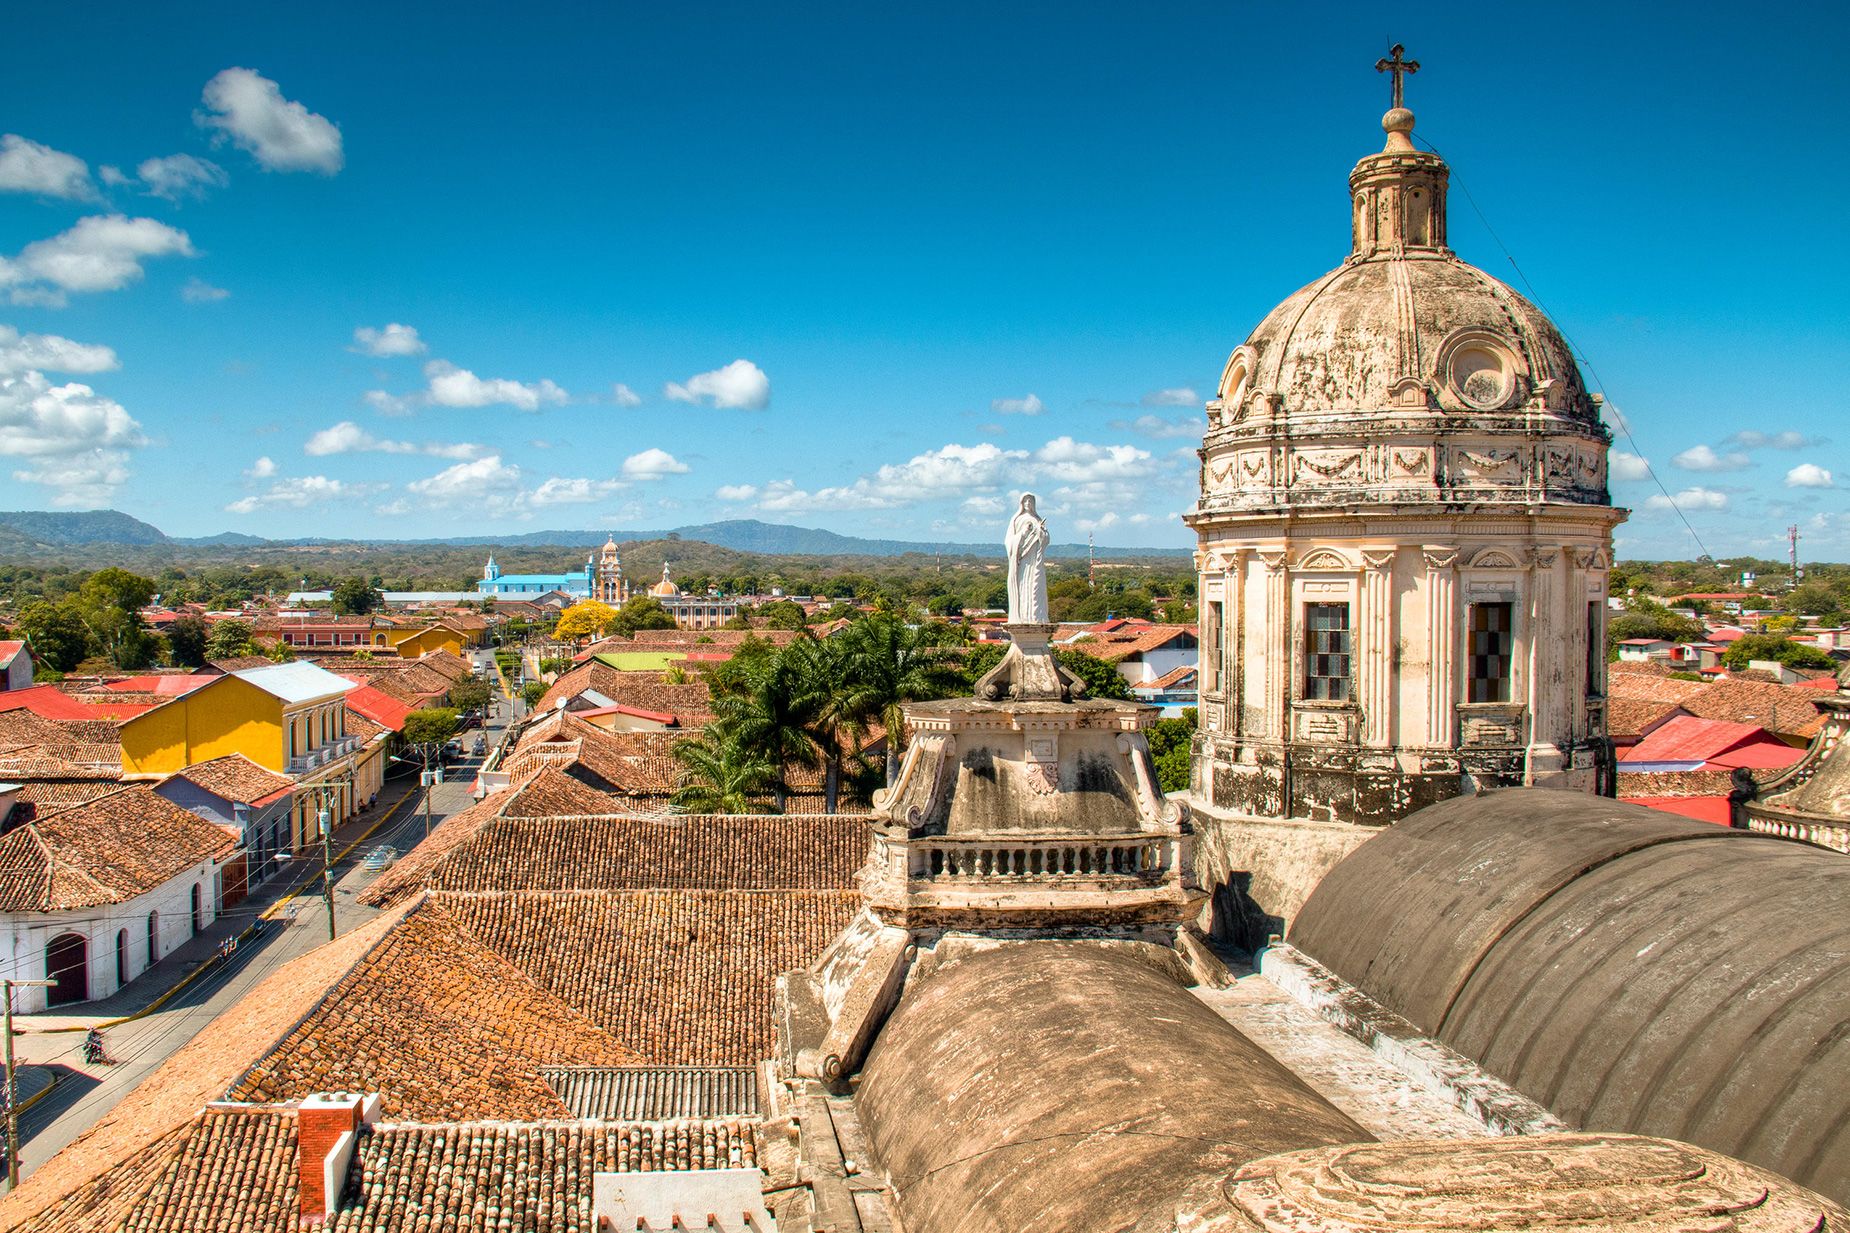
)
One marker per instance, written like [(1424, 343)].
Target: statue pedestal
[(1028, 671)]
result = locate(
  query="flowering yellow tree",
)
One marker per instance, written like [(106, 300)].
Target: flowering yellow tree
[(584, 619)]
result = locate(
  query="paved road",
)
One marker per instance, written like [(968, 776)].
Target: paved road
[(84, 1093)]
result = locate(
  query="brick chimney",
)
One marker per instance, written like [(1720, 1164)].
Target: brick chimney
[(327, 1129)]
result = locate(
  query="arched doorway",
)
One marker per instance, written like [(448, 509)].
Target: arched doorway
[(198, 924), (121, 957), (67, 961), (154, 938)]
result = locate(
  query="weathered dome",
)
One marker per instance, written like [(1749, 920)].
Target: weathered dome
[(1424, 330)]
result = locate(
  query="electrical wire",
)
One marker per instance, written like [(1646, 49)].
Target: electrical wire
[(1580, 355)]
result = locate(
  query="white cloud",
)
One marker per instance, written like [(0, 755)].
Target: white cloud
[(263, 468), (1750, 439), (19, 352), (558, 491), (1808, 475), (300, 492), (28, 167), (391, 339), (624, 396), (740, 384), (1180, 396), (1079, 462), (1103, 521), (77, 440), (1626, 467), (387, 403), (281, 135), (1030, 405), (486, 486), (984, 507), (115, 177), (652, 464), (736, 492), (1704, 458), (451, 386), (1690, 498), (348, 437), (198, 291), (1159, 429), (179, 176), (103, 252)]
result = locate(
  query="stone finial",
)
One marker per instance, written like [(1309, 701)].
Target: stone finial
[(1398, 124)]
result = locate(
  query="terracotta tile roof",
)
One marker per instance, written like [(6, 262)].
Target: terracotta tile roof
[(1175, 678), (537, 1176), (469, 1032), (1115, 641), (93, 1182), (1657, 785), (235, 777), (25, 763), (626, 852), (1786, 710), (1637, 667), (407, 877), (239, 663), (107, 850), (553, 792), (1654, 688), (1633, 717), (691, 704), (681, 977), (447, 664)]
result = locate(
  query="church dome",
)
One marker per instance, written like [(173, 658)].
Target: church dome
[(1405, 375)]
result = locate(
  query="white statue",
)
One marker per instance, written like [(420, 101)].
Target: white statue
[(1027, 549)]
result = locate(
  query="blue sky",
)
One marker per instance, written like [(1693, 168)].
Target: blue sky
[(862, 267)]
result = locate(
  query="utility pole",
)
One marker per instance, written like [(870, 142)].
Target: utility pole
[(327, 864), (428, 779), (1792, 539), (12, 1081)]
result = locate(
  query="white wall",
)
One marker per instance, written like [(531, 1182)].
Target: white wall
[(25, 935)]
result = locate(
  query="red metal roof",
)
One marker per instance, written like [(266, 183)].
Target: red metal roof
[(660, 717), (49, 702), (1702, 808), (379, 707), (168, 684), (8, 650), (1716, 742)]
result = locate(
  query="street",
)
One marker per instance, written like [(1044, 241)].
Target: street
[(298, 922)]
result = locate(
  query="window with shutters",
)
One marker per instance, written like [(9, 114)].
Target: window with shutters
[(1328, 660), (1493, 641)]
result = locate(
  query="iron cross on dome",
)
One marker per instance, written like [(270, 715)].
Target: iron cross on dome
[(1392, 63)]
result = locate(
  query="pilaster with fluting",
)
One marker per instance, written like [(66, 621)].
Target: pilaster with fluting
[(1442, 646), (1378, 635), (1277, 646), (1547, 665)]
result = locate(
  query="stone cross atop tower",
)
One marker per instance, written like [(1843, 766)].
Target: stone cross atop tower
[(1400, 68)]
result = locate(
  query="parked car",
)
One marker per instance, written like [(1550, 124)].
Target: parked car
[(481, 747)]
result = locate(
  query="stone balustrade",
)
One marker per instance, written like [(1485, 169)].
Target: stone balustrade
[(1825, 832), (1144, 859)]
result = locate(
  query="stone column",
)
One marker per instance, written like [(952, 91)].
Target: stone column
[(1376, 653), (1546, 660), (1277, 646), (1442, 646)]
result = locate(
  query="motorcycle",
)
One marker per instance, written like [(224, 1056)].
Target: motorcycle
[(93, 1048)]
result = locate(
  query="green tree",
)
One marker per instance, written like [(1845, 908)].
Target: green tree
[(721, 775), (771, 718), (430, 725), (1644, 618), (889, 663), (186, 638), (532, 692), (1169, 749), (825, 679), (469, 694), (278, 652), (783, 614), (110, 602), (354, 597), (1750, 647), (57, 633), (230, 640), (1814, 599), (641, 612)]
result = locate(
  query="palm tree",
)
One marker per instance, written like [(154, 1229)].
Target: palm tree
[(891, 663), (720, 775), (823, 674), (771, 718)]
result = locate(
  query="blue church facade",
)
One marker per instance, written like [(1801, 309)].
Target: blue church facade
[(527, 586)]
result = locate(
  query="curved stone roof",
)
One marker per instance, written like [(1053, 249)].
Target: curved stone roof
[(1632, 970), (1343, 342), (1062, 1085)]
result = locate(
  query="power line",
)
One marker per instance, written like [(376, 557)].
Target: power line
[(1580, 355)]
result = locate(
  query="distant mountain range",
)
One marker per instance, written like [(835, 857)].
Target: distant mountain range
[(26, 530)]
